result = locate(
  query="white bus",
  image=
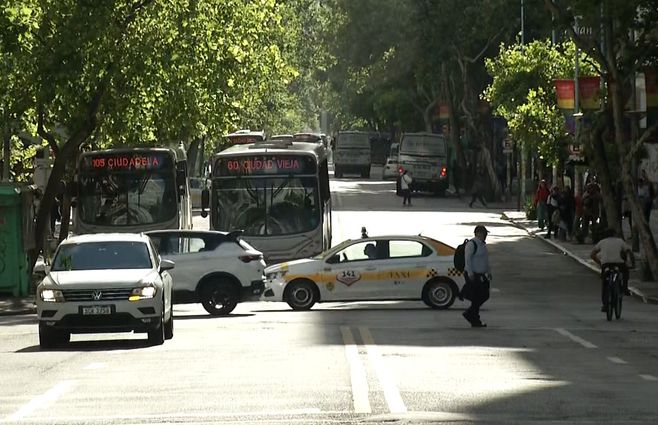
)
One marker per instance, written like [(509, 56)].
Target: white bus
[(132, 190), (276, 193)]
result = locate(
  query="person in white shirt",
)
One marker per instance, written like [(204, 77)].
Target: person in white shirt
[(477, 273), (612, 251), (405, 185)]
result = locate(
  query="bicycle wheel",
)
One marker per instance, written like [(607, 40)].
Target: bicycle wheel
[(611, 302), (619, 297)]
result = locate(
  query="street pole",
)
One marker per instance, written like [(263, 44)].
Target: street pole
[(522, 174), (576, 109)]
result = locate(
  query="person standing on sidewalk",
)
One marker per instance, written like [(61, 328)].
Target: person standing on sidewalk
[(405, 185), (542, 196), (646, 195), (477, 273), (553, 204), (568, 210)]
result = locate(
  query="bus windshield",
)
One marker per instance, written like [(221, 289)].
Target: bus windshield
[(267, 205), (353, 140), (425, 145), (127, 198)]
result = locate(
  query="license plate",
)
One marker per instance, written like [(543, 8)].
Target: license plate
[(96, 310)]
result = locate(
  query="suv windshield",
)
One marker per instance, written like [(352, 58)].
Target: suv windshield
[(102, 256), (423, 145), (267, 206)]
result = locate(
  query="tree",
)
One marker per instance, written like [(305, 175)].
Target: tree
[(630, 41)]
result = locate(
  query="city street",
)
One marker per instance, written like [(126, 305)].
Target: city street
[(548, 355)]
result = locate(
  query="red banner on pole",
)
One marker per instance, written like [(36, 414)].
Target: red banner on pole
[(590, 88), (565, 94), (443, 109)]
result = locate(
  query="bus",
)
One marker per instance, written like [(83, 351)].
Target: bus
[(276, 193), (242, 137), (132, 190)]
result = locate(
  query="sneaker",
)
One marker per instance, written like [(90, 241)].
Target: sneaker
[(478, 325)]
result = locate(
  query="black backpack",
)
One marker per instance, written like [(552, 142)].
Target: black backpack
[(459, 258)]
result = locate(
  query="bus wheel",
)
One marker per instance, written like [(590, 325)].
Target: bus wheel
[(301, 294), (219, 297)]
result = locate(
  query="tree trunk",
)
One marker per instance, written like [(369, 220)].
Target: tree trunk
[(66, 216), (644, 231), (6, 154)]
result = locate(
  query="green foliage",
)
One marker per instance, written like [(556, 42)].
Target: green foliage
[(530, 209), (522, 91)]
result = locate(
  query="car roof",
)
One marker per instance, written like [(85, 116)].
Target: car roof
[(388, 237), (185, 232), (106, 237)]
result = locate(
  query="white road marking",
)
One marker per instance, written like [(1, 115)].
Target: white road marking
[(42, 401), (495, 289), (94, 366), (360, 390), (575, 338), (649, 377), (391, 392), (167, 417), (617, 360)]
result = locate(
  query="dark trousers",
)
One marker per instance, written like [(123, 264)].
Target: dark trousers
[(406, 196), (604, 284), (477, 196), (478, 294)]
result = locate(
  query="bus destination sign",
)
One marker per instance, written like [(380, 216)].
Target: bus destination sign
[(127, 161), (264, 165)]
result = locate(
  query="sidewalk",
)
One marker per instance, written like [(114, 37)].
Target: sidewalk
[(11, 306), (647, 291)]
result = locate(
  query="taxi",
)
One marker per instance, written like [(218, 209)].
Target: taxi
[(371, 268)]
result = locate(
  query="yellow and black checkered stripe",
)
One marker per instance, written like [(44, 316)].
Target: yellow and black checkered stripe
[(432, 273), (454, 272)]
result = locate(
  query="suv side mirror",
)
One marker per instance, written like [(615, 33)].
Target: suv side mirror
[(166, 265)]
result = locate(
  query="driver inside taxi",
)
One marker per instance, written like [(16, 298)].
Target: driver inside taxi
[(371, 251)]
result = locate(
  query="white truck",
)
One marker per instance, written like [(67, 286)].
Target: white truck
[(352, 154), (425, 157)]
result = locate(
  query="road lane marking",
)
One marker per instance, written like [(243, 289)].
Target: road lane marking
[(360, 390), (391, 392), (575, 338), (617, 360), (42, 401), (649, 377)]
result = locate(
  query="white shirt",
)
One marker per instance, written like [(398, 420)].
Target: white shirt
[(610, 250), (405, 181), (478, 262)]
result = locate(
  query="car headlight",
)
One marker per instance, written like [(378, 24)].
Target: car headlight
[(143, 293), (276, 275), (51, 296)]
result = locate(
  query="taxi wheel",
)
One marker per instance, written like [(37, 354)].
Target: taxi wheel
[(301, 294), (439, 294)]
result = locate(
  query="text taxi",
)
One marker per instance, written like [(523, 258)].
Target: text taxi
[(370, 268)]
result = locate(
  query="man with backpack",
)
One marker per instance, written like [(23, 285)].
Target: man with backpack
[(477, 274)]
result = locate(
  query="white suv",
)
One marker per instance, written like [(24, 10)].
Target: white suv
[(217, 269), (105, 283)]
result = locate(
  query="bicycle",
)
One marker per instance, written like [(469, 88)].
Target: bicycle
[(613, 278)]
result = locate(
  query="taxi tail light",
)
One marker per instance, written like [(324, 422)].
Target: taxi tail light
[(443, 171), (248, 258)]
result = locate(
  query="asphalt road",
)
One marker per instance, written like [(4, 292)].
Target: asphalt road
[(548, 355)]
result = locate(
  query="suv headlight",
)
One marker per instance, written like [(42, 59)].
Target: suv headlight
[(51, 296), (143, 293)]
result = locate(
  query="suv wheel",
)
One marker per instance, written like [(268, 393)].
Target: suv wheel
[(156, 336), (219, 298), (49, 337), (169, 325)]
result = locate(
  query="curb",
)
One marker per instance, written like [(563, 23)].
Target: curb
[(637, 293)]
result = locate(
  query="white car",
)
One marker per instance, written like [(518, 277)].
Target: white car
[(391, 169), (371, 268), (216, 269), (105, 283)]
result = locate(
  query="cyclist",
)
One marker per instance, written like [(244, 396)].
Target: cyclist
[(610, 252)]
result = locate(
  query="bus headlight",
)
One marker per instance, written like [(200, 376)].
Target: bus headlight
[(51, 296), (142, 293)]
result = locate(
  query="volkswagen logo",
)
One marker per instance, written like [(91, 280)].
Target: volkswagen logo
[(96, 295)]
